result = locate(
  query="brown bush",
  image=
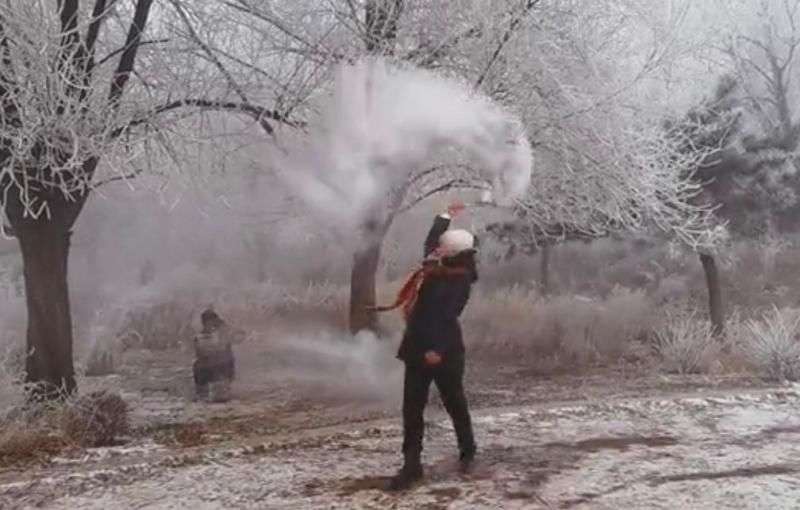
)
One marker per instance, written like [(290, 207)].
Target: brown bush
[(96, 419), (20, 443)]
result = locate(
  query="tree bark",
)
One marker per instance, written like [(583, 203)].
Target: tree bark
[(363, 279), (45, 251), (544, 268), (44, 242), (381, 19), (715, 308)]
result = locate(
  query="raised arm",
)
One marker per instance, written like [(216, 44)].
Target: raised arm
[(440, 225)]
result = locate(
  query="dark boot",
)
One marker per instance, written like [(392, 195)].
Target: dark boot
[(408, 474), (466, 444), (200, 392), (465, 460)]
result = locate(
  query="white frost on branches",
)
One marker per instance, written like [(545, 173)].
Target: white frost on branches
[(579, 76), (58, 114)]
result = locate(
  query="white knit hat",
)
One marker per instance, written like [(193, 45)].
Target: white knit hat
[(456, 241)]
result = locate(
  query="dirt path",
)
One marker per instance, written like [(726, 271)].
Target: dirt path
[(720, 450)]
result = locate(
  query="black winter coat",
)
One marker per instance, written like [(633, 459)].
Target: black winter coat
[(433, 322)]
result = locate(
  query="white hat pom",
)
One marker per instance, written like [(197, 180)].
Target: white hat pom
[(455, 241)]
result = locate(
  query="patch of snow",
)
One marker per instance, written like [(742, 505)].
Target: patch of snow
[(723, 452)]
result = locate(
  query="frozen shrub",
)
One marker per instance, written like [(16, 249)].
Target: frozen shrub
[(159, 326), (505, 323), (564, 332), (28, 432), (771, 346), (96, 419), (12, 359), (20, 441), (624, 315), (33, 432), (686, 344)]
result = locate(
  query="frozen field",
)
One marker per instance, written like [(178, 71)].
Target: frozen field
[(737, 450)]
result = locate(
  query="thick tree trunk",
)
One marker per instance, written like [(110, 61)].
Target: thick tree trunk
[(363, 279), (544, 268), (45, 250), (714, 286)]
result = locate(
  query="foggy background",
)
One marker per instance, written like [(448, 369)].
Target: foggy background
[(223, 228)]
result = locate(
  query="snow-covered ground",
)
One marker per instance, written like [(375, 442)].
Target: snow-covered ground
[(737, 451)]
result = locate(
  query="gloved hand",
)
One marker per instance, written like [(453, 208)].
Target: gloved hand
[(455, 208), (432, 358)]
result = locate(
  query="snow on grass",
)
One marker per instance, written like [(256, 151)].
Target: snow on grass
[(717, 452)]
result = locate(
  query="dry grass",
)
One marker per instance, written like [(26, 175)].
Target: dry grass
[(96, 419), (620, 316), (771, 344), (562, 333), (31, 433), (685, 343), (170, 320), (157, 326), (513, 324)]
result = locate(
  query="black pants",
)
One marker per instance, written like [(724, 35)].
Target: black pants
[(211, 367), (449, 378)]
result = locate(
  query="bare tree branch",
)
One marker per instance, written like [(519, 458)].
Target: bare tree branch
[(447, 186), (128, 58), (99, 12), (116, 52), (257, 113), (209, 53), (245, 7), (126, 177), (260, 114), (381, 19), (516, 21)]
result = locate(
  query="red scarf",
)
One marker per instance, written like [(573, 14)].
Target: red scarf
[(407, 295)]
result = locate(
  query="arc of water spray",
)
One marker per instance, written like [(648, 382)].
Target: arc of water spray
[(403, 116)]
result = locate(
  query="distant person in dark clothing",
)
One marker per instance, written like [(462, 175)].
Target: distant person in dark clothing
[(432, 347), (214, 365)]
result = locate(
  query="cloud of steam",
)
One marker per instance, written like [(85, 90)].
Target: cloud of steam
[(382, 121), (362, 366)]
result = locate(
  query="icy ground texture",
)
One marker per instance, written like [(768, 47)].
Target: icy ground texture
[(734, 451)]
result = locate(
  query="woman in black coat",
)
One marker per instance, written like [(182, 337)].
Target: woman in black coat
[(432, 347)]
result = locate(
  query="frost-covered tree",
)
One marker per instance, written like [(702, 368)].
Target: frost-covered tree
[(572, 72), (763, 55), (63, 77), (750, 132), (604, 164), (712, 128), (87, 90), (313, 40)]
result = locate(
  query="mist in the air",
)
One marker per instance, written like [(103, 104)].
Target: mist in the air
[(246, 234), (381, 123)]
